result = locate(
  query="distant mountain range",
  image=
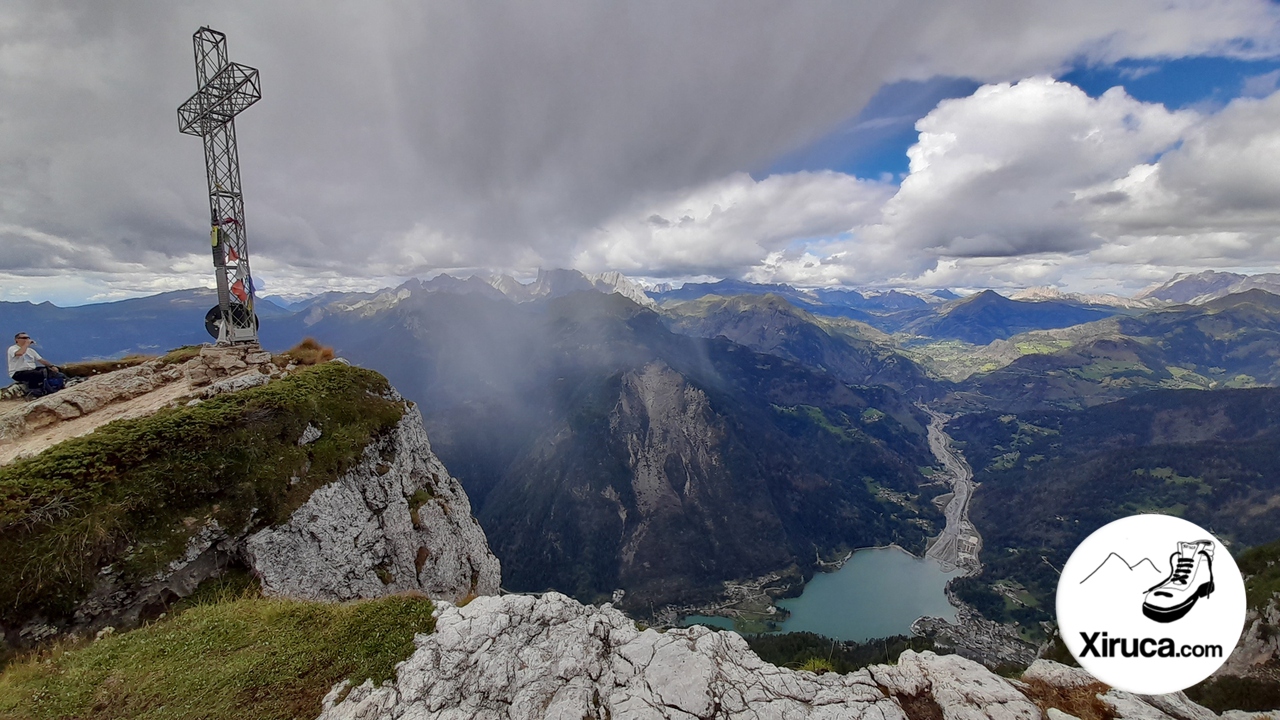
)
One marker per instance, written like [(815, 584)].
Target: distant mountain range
[(989, 316), (153, 324), (1203, 287), (1233, 341)]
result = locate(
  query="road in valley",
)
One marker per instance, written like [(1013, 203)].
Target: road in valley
[(958, 544)]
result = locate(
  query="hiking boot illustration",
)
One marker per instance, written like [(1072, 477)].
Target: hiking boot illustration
[(1190, 578)]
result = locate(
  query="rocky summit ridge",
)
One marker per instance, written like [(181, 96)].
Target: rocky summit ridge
[(529, 658)]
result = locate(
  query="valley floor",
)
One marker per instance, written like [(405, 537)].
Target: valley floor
[(958, 544)]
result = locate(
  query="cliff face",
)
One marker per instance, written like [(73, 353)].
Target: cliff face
[(679, 487), (396, 521), (530, 657)]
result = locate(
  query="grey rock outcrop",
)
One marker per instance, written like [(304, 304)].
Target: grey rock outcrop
[(525, 657), (397, 521)]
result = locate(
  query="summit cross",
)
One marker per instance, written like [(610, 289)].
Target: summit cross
[(225, 89)]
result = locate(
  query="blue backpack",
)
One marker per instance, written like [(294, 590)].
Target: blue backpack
[(52, 385)]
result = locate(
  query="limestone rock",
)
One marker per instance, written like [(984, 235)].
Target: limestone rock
[(222, 357), (1058, 675), (396, 521), (236, 383), (550, 657), (310, 434), (522, 657), (961, 687), (88, 396), (1259, 643), (1243, 715)]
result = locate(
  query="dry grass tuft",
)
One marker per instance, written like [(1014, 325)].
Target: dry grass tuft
[(1081, 701), (307, 352)]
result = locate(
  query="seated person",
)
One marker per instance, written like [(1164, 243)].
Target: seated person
[(24, 363)]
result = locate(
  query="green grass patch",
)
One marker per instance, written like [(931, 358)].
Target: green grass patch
[(251, 658), (1171, 477), (89, 368), (871, 415), (1243, 381), (1101, 369), (416, 501), (817, 417), (1041, 347), (181, 355), (131, 493)]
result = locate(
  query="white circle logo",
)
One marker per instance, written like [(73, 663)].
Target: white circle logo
[(1151, 604)]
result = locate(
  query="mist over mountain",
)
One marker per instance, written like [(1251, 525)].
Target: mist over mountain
[(603, 451)]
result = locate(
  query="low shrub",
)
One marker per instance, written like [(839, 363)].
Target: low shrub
[(1237, 693), (807, 651)]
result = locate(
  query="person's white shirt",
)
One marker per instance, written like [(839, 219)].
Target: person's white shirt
[(25, 361)]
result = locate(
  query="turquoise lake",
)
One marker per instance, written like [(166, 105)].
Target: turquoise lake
[(878, 593)]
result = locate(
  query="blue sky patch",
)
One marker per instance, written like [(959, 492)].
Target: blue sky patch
[(1206, 83), (874, 144)]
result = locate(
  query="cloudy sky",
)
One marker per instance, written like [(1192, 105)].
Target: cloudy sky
[(1092, 145)]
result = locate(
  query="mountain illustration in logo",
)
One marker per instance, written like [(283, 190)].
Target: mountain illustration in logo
[(1115, 570)]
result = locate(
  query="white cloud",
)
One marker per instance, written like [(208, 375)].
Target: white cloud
[(726, 227), (399, 137), (1036, 183), (995, 174)]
